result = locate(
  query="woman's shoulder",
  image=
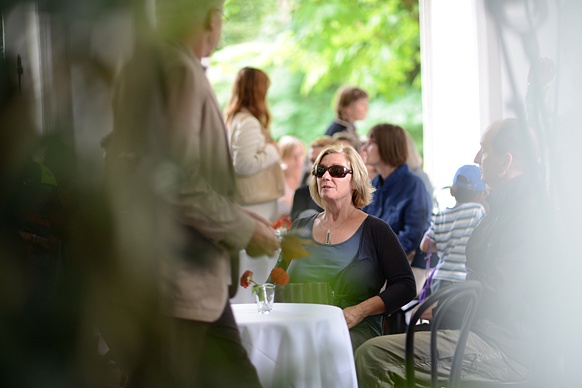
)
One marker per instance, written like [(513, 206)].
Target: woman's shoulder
[(244, 116), (335, 127), (301, 226), (377, 232), (470, 208), (245, 120), (179, 67), (409, 178), (374, 223), (303, 221)]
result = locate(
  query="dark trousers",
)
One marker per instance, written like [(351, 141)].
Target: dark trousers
[(209, 354)]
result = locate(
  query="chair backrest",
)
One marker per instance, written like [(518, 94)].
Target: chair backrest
[(466, 294)]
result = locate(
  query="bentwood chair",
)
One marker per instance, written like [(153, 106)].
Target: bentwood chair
[(466, 294)]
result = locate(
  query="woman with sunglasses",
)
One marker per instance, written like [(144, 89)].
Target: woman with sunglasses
[(355, 253)]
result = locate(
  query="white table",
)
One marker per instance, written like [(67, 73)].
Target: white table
[(298, 345)]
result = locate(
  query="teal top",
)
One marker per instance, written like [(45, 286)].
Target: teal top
[(324, 265)]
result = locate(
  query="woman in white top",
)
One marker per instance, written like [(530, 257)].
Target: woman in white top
[(255, 158), (252, 147)]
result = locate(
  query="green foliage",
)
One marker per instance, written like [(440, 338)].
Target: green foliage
[(310, 48), (245, 20), (371, 43)]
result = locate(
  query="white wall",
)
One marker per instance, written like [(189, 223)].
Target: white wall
[(474, 69), (450, 77)]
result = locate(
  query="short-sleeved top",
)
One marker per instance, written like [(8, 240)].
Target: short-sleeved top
[(451, 230)]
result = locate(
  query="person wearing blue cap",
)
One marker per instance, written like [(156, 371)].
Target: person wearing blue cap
[(451, 228)]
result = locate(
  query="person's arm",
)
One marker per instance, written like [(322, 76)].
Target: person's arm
[(427, 314), (262, 239), (356, 314), (400, 285), (416, 215), (427, 244), (251, 152)]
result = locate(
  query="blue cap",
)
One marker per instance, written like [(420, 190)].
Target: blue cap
[(469, 177)]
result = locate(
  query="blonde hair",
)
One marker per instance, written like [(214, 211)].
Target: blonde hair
[(287, 144), (363, 190), (351, 139), (322, 141)]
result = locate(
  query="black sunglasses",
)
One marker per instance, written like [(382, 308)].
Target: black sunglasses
[(335, 171)]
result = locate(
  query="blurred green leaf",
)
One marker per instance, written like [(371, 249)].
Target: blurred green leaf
[(310, 48)]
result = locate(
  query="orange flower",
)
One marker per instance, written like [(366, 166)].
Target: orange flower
[(282, 223), (247, 278), (279, 276)]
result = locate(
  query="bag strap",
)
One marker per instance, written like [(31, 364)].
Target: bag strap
[(426, 291)]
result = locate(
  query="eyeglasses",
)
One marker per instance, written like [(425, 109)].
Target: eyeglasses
[(335, 171)]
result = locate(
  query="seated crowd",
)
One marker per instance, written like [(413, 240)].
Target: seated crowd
[(483, 237), (375, 243)]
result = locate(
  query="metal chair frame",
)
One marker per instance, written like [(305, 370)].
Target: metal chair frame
[(468, 292)]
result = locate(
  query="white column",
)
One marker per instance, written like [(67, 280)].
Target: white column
[(450, 78)]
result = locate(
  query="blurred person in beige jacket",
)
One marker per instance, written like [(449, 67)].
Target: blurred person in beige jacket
[(192, 180)]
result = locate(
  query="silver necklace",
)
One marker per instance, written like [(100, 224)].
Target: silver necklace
[(328, 234)]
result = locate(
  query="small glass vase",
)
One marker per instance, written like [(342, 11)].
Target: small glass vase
[(265, 295)]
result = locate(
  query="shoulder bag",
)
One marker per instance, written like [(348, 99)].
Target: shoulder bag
[(266, 185)]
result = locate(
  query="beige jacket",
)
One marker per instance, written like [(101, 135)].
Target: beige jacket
[(172, 177), (197, 283), (250, 150)]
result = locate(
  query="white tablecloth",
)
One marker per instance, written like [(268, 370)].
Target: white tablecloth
[(298, 345)]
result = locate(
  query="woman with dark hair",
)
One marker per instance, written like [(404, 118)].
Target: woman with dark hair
[(253, 149), (401, 198), (351, 105), (355, 253)]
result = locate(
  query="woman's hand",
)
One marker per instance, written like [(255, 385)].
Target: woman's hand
[(353, 315), (356, 314)]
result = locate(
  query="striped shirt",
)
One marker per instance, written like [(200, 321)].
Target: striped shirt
[(451, 229)]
